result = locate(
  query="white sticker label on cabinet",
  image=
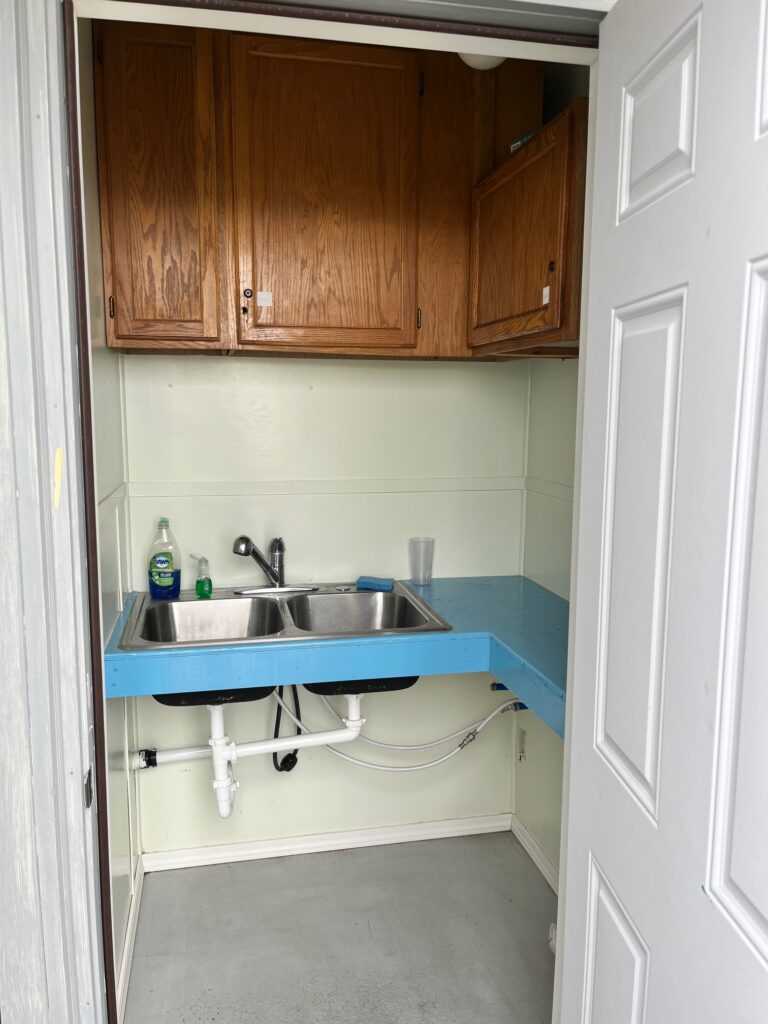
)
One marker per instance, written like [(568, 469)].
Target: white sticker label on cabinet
[(263, 298), (544, 296)]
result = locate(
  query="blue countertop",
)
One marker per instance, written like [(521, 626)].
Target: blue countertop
[(505, 625)]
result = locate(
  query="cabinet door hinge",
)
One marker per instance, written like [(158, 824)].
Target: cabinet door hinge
[(111, 307), (88, 789), (418, 318), (100, 51), (421, 83)]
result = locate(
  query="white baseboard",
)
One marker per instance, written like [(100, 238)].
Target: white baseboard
[(124, 972), (534, 851), (230, 853)]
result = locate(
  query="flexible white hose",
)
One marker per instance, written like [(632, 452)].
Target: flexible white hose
[(470, 735), (403, 746), (394, 768)]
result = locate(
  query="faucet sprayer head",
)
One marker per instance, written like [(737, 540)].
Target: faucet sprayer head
[(243, 546)]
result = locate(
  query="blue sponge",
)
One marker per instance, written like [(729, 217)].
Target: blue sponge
[(374, 583)]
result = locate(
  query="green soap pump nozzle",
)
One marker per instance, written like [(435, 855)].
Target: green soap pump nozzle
[(203, 585)]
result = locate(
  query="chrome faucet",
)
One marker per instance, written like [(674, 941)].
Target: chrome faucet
[(274, 569)]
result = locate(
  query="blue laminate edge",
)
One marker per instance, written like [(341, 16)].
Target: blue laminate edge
[(506, 625)]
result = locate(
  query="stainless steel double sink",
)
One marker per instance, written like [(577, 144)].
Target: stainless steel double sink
[(228, 617)]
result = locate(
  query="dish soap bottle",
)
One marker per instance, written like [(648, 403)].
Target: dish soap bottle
[(164, 564), (203, 586)]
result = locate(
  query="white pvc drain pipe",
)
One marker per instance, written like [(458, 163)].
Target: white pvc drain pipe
[(223, 754)]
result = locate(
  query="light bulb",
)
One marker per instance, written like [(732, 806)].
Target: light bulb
[(481, 61)]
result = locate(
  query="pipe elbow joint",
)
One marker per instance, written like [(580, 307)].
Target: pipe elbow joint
[(354, 725), (224, 790)]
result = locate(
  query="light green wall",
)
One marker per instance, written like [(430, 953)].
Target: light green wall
[(547, 560), (549, 473), (323, 794), (539, 785)]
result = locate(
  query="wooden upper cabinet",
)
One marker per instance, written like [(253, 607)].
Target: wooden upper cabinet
[(527, 230), (266, 194), (324, 142), (157, 148)]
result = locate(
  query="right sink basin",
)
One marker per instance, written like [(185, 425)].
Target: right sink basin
[(360, 612)]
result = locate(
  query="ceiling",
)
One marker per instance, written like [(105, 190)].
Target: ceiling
[(576, 18), (572, 17)]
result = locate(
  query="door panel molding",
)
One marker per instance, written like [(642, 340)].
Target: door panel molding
[(618, 959), (628, 721), (658, 123), (740, 813), (761, 120)]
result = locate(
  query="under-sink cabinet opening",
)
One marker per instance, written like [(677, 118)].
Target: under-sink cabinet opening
[(413, 228)]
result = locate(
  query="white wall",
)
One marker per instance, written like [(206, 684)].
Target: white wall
[(345, 459), (547, 560)]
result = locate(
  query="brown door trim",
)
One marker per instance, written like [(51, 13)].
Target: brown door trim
[(89, 486), (279, 10)]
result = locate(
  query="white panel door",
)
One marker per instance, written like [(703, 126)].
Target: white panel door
[(665, 908)]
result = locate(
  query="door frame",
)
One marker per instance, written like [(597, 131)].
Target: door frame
[(255, 16), (276, 19), (583, 338), (53, 967)]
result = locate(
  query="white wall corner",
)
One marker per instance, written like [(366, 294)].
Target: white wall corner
[(527, 428), (531, 846)]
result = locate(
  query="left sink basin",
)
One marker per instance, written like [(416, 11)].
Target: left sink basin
[(223, 620)]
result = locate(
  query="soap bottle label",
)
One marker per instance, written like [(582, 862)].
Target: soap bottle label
[(161, 569)]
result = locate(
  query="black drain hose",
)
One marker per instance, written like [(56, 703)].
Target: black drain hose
[(291, 759)]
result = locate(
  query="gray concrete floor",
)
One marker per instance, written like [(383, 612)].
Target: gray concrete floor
[(452, 931)]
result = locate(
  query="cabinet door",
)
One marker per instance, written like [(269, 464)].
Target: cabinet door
[(527, 230), (325, 171), (158, 184)]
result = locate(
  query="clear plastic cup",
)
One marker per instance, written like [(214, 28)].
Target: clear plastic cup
[(421, 551)]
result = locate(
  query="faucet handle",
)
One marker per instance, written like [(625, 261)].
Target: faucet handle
[(277, 559)]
